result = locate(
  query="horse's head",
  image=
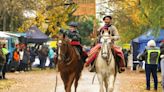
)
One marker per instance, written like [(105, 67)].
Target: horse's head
[(106, 43), (63, 49)]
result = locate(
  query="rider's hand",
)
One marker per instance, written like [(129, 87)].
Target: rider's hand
[(115, 37), (86, 65)]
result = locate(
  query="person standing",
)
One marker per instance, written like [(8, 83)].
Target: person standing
[(51, 55), (26, 59), (162, 63), (21, 53), (16, 59), (2, 62), (33, 54), (151, 56), (6, 53), (43, 54)]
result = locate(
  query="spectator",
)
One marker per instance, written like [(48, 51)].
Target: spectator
[(16, 59), (162, 62), (33, 54), (6, 53), (151, 57), (43, 54), (125, 51), (21, 53), (51, 55), (26, 59), (2, 62)]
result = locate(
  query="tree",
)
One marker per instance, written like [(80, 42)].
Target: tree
[(11, 13), (134, 17), (86, 28), (51, 14)]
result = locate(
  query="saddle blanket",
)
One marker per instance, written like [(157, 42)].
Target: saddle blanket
[(92, 55)]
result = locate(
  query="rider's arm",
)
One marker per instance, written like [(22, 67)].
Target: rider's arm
[(115, 34)]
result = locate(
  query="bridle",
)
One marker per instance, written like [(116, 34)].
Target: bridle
[(106, 45), (62, 56)]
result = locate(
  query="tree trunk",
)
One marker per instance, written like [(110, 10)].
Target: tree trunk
[(4, 23), (11, 24)]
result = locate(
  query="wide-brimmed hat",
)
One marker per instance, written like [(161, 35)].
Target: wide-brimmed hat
[(73, 24)]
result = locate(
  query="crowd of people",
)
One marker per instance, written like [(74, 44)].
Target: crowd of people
[(22, 58)]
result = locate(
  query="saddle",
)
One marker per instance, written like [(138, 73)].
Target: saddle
[(117, 52), (78, 48)]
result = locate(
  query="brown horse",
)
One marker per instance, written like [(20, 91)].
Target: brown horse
[(69, 64)]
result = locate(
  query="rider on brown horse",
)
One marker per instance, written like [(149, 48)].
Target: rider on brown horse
[(115, 36), (75, 40)]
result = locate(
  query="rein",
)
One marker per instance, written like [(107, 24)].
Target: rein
[(66, 58)]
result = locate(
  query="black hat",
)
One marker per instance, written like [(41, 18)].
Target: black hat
[(107, 17), (73, 24)]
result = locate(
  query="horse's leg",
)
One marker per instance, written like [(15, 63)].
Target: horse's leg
[(77, 77), (100, 78), (106, 84), (70, 81), (111, 82), (65, 80)]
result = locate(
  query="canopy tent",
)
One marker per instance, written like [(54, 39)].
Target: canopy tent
[(140, 42), (34, 35)]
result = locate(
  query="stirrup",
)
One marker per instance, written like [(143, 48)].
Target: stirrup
[(92, 69), (120, 69)]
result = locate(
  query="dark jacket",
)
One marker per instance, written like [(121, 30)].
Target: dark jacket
[(153, 56), (33, 54), (43, 52), (26, 57), (73, 35), (162, 48)]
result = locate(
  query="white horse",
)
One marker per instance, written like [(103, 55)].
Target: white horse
[(105, 64)]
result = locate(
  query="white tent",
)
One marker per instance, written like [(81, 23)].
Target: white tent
[(3, 35), (11, 34)]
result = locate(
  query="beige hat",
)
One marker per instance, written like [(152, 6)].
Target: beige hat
[(151, 43)]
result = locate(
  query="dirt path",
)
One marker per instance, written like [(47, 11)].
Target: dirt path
[(44, 81)]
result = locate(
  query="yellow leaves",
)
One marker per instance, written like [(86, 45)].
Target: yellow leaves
[(40, 17), (27, 24), (135, 18), (49, 14)]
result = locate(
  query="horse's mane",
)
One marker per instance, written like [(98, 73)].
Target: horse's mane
[(70, 53)]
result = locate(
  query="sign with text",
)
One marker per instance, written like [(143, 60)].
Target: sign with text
[(85, 7)]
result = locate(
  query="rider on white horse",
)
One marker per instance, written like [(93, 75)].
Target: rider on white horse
[(115, 36)]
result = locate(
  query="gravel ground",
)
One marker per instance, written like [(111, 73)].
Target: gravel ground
[(44, 81)]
